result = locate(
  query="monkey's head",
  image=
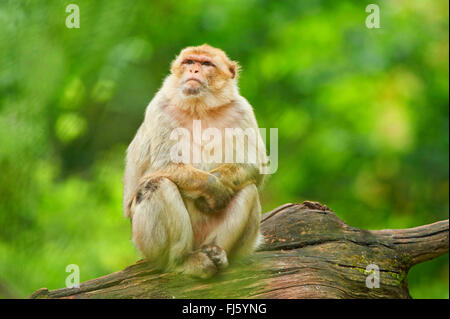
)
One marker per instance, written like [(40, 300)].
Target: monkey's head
[(204, 73)]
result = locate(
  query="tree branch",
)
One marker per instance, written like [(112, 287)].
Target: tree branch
[(421, 243), (308, 253)]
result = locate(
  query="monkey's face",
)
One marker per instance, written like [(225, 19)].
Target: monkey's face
[(196, 73), (202, 70)]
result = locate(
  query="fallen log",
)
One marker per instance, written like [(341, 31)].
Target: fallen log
[(308, 253)]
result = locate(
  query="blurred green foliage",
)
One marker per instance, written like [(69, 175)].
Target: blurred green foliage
[(362, 117)]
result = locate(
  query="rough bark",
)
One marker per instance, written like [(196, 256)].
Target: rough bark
[(308, 253)]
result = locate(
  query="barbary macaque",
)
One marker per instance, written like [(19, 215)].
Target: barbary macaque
[(191, 216)]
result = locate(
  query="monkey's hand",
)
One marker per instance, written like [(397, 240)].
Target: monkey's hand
[(236, 177), (214, 197), (208, 192)]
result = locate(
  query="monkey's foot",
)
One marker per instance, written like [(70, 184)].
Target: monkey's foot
[(205, 262), (217, 255), (199, 265)]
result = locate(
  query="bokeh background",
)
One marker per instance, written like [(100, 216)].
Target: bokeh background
[(362, 116)]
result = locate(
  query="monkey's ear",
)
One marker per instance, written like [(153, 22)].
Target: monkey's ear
[(234, 69)]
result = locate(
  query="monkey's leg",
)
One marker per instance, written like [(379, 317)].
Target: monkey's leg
[(238, 233), (161, 226), (162, 229)]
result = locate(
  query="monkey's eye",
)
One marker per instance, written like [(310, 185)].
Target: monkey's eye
[(207, 63), (188, 62)]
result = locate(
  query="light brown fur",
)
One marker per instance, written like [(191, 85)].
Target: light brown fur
[(183, 212)]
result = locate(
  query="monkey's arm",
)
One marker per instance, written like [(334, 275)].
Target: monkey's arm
[(237, 176), (211, 193), (135, 165)]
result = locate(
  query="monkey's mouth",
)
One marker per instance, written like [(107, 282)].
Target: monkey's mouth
[(193, 79)]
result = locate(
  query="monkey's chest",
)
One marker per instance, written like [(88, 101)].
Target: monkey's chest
[(209, 140), (208, 147)]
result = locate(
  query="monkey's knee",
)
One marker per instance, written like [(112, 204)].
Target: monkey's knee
[(249, 193), (153, 191), (148, 187), (251, 237)]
